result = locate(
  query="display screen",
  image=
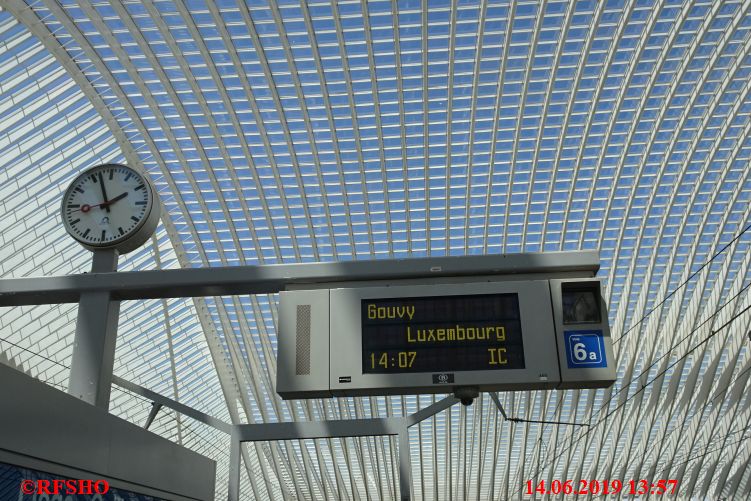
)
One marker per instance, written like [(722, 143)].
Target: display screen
[(442, 334), (580, 303)]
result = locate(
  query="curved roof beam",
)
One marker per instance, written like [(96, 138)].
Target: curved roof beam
[(633, 341), (566, 116), (353, 114), (25, 14), (494, 130)]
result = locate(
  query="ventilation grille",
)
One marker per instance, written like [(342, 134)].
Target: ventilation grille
[(302, 353)]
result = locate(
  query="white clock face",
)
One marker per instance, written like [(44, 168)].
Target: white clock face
[(106, 205)]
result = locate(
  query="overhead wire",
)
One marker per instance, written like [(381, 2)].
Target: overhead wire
[(674, 346), (706, 452), (664, 371), (720, 392), (33, 352), (683, 284), (642, 388), (669, 351), (652, 310)]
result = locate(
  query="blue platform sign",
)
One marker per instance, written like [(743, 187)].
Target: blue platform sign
[(585, 349)]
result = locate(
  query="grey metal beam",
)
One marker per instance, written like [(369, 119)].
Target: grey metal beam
[(155, 406), (233, 488), (398, 426), (298, 429), (168, 402), (431, 410), (320, 429), (265, 279), (494, 396), (96, 335), (405, 466), (28, 16)]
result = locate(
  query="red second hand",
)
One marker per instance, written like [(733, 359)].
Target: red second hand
[(86, 207)]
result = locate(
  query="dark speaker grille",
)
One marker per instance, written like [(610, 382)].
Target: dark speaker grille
[(302, 353)]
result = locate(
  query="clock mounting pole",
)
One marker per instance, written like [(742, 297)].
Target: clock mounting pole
[(109, 209), (96, 335)]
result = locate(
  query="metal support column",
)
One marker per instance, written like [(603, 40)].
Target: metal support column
[(234, 467), (305, 430), (405, 466), (152, 414), (96, 336)]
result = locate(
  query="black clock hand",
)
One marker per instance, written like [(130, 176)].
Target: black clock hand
[(119, 197), (106, 203)]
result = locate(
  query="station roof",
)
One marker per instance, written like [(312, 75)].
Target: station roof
[(300, 132)]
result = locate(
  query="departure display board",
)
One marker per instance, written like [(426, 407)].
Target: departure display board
[(441, 334)]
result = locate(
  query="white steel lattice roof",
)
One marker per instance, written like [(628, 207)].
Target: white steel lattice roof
[(329, 131)]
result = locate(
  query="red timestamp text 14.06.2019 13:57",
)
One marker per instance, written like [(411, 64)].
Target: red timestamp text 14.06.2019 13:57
[(603, 487)]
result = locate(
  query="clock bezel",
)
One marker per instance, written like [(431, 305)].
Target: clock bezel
[(136, 236)]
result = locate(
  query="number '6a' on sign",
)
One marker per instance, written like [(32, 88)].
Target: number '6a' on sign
[(585, 349)]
